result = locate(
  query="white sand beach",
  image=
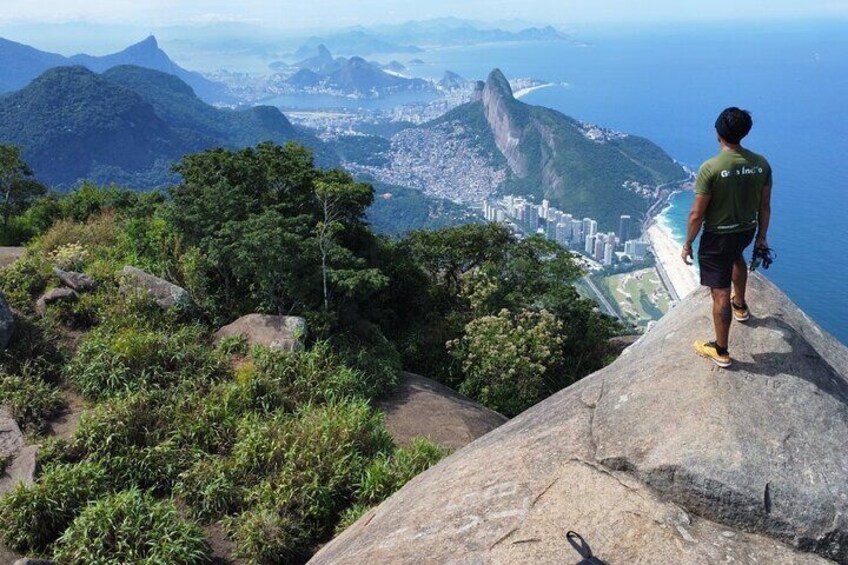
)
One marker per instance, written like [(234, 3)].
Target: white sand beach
[(525, 91), (682, 278)]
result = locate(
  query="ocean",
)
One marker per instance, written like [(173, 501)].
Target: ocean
[(669, 83)]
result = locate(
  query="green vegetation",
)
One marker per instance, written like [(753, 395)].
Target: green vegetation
[(127, 125), (276, 449), (639, 296), (131, 526), (18, 189), (477, 288), (397, 211)]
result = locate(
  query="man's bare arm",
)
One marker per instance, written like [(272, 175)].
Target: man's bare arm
[(696, 220), (764, 216)]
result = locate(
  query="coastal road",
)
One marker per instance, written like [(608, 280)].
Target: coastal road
[(665, 280), (601, 299)]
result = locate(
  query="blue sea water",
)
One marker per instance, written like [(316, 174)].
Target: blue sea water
[(668, 84)]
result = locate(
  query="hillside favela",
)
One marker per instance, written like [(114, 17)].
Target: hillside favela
[(380, 282)]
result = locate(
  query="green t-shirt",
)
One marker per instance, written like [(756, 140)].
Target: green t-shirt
[(734, 179)]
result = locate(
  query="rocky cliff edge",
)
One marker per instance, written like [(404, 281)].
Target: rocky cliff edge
[(659, 458)]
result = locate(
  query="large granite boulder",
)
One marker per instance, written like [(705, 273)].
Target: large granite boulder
[(277, 332), (7, 322), (76, 281), (660, 457), (166, 294), (53, 296), (419, 406)]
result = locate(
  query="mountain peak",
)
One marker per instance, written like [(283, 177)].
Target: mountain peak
[(498, 84), (148, 42), (323, 52)]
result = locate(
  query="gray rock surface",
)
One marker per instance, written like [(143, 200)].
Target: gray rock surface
[(7, 322), (659, 458), (9, 255), (166, 294), (52, 296), (76, 281), (422, 407), (497, 101), (277, 332), (617, 345), (11, 438), (21, 470)]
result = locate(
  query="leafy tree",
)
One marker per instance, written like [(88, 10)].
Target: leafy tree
[(483, 272), (276, 234), (17, 183)]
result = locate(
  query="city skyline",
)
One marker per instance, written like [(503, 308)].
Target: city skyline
[(579, 235)]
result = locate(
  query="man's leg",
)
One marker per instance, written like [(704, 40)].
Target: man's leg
[(740, 281), (721, 315)]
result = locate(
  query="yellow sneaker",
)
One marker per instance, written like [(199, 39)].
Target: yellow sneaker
[(740, 313), (709, 349)]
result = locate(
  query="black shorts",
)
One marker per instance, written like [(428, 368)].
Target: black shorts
[(718, 252)]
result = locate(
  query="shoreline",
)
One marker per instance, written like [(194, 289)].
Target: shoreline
[(679, 279), (525, 91)]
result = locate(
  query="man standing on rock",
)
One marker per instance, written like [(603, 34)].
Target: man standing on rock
[(733, 203)]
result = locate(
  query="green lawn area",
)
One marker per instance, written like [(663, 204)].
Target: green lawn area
[(640, 295)]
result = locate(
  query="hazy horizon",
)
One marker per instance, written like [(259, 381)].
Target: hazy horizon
[(330, 14)]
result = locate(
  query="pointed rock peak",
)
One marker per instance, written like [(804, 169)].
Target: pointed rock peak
[(323, 52), (149, 42), (497, 84)]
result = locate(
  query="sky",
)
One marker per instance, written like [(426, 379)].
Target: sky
[(317, 14)]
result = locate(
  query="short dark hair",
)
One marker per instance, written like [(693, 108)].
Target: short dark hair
[(733, 124)]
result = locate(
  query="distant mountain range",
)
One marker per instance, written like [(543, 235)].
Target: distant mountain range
[(409, 37), (20, 64), (497, 144), (127, 125), (321, 73), (357, 41)]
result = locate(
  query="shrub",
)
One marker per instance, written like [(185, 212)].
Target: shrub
[(111, 362), (233, 345), (350, 516), (82, 313), (318, 375), (388, 473), (206, 420), (69, 257), (132, 527), (309, 463), (24, 280), (211, 489), (112, 427), (33, 517), (31, 348), (509, 358), (99, 234), (156, 467), (30, 399)]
